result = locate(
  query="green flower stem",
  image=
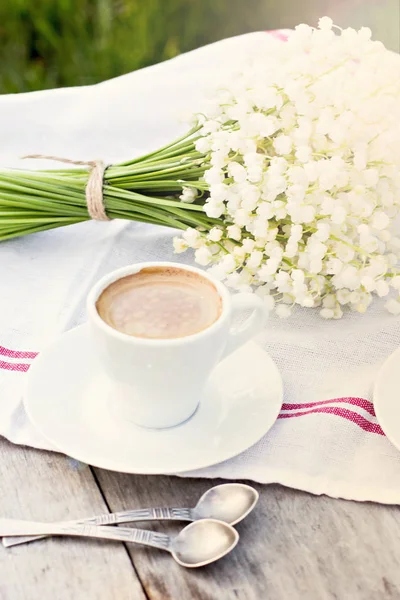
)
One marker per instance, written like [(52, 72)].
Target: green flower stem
[(119, 194), (355, 248), (27, 230), (159, 152), (152, 168), (162, 185), (145, 189), (39, 204)]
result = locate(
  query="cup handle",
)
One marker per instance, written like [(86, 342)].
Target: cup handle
[(253, 324)]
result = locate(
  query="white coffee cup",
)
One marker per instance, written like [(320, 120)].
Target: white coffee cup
[(159, 383)]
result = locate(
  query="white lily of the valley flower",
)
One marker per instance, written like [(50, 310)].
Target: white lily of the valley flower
[(188, 195), (303, 168)]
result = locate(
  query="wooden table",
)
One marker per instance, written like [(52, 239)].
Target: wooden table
[(294, 545)]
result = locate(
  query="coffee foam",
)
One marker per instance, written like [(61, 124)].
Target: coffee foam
[(160, 303)]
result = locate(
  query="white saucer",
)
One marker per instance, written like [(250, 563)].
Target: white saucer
[(387, 398), (70, 402)]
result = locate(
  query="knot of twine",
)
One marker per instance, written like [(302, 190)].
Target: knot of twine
[(94, 186)]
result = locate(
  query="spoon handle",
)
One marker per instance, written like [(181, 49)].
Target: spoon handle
[(121, 534), (127, 516)]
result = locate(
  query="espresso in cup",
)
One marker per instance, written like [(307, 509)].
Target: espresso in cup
[(142, 324), (160, 303)]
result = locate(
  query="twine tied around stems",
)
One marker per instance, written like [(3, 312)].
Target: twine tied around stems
[(94, 186)]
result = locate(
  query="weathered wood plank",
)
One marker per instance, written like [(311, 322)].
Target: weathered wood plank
[(47, 486), (293, 546)]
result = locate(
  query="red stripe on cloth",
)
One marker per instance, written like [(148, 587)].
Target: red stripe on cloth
[(361, 402), (339, 412), (276, 33), (22, 367), (16, 353)]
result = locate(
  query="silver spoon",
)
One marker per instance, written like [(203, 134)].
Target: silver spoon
[(198, 544), (229, 502)]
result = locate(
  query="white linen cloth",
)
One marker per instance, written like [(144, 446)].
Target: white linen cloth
[(337, 447)]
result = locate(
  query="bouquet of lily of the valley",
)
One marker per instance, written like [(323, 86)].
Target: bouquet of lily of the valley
[(288, 184)]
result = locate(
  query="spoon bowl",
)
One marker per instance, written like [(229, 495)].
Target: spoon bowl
[(203, 542), (229, 502)]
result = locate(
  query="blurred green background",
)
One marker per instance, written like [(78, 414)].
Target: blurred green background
[(53, 43)]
